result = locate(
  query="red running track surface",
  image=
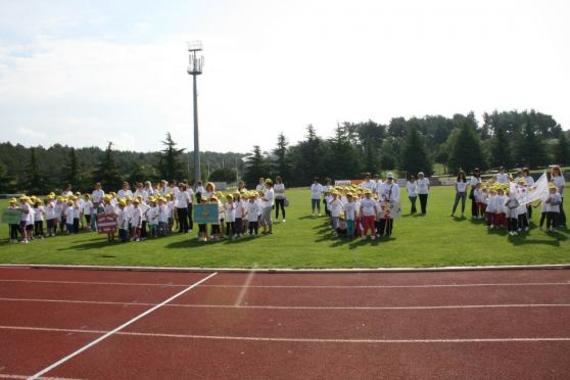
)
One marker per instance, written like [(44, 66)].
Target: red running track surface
[(479, 324)]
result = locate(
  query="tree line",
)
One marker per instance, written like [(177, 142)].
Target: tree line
[(509, 139), (39, 170)]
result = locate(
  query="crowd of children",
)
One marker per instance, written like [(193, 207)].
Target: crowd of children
[(359, 211), (148, 212), (500, 204)]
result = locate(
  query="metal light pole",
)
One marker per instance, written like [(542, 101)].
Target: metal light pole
[(196, 62)]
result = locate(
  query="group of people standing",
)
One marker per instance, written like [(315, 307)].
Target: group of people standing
[(495, 199), (150, 211), (366, 210)]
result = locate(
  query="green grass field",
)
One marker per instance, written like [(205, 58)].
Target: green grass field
[(306, 242)]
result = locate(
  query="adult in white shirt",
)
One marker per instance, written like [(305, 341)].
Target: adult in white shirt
[(148, 191), (261, 185), (473, 181), (422, 184), (557, 178), (200, 188), (525, 174), (279, 189), (190, 198), (181, 202), (97, 196), (411, 186), (501, 176), (267, 201), (125, 192), (368, 184), (316, 191), (460, 192)]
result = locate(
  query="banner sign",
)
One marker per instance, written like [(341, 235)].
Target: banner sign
[(11, 216), (221, 186), (106, 223), (342, 182), (536, 192), (206, 213)]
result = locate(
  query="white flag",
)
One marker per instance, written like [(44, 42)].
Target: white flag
[(536, 192)]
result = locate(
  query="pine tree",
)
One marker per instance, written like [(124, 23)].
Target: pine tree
[(500, 149), (169, 165), (466, 152), (256, 167), (562, 150), (414, 157), (530, 149), (35, 181), (341, 161), (281, 165), (71, 170), (107, 172)]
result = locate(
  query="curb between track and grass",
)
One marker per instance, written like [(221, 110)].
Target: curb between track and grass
[(289, 270)]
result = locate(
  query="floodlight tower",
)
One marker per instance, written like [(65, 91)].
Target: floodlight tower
[(195, 64)]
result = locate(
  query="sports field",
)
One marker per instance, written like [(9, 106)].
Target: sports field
[(306, 242)]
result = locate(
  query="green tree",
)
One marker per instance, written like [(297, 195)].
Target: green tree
[(500, 149), (342, 160), (256, 167), (388, 154), (414, 156), (35, 181), (309, 158), (107, 172), (466, 152), (530, 148), (169, 164), (562, 151), (71, 169), (223, 175), (282, 164)]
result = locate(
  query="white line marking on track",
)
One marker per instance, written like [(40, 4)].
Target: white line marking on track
[(307, 340), (8, 376), (118, 329), (293, 307), (441, 307), (388, 286), (95, 283), (244, 287), (468, 285)]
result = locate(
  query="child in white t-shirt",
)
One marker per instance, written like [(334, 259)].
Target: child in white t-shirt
[(350, 215)]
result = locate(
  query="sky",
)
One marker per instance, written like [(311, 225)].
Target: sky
[(83, 73)]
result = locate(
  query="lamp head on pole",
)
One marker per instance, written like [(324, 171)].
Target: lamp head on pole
[(196, 62)]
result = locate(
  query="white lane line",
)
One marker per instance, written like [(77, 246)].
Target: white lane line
[(309, 340), (7, 299), (293, 307), (468, 285), (244, 287), (93, 283), (52, 329), (355, 308), (118, 329), (319, 340), (9, 376), (389, 286)]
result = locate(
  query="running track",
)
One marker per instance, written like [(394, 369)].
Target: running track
[(87, 324)]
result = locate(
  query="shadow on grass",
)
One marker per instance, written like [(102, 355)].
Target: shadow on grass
[(92, 244), (309, 217), (193, 243), (551, 238)]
